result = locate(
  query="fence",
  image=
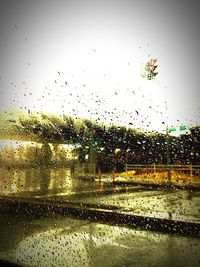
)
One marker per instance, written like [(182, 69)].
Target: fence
[(141, 168), (159, 173)]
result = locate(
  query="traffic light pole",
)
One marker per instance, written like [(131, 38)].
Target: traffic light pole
[(167, 150), (150, 74), (168, 157)]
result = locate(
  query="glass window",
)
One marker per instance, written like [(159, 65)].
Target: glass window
[(99, 133)]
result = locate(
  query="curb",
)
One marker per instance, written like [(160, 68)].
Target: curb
[(87, 212)]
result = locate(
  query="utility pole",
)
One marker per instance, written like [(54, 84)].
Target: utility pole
[(167, 149), (168, 157)]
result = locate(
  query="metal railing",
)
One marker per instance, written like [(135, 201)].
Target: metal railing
[(191, 169), (178, 173)]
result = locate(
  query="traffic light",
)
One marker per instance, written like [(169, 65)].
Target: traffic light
[(150, 68), (96, 142)]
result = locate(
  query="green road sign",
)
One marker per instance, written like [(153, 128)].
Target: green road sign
[(182, 127), (171, 129)]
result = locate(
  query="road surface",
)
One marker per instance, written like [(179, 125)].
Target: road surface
[(62, 241)]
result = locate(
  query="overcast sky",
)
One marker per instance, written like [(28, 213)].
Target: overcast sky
[(84, 58)]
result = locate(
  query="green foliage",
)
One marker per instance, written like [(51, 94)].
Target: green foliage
[(133, 145)]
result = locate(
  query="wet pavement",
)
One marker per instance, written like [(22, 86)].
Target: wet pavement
[(57, 188), (63, 241), (50, 218)]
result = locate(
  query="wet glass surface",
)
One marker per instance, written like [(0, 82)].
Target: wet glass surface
[(100, 133)]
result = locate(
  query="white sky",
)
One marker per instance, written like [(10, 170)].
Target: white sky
[(99, 48)]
